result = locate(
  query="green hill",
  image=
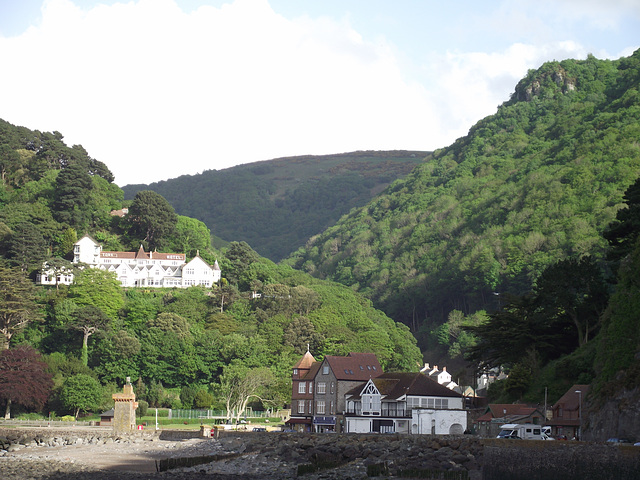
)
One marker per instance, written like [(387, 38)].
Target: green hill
[(175, 344), (535, 183), (276, 205)]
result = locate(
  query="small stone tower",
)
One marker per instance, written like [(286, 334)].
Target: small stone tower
[(124, 410)]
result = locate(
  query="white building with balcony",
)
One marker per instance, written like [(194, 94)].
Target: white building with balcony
[(404, 403)]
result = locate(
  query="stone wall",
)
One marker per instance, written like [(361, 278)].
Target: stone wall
[(12, 439), (540, 460)]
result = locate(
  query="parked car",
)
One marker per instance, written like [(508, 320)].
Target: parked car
[(561, 437), (620, 441), (259, 429)]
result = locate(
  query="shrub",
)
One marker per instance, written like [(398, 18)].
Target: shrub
[(142, 408)]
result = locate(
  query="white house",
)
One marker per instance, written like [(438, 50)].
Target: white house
[(139, 269), (441, 376), (404, 403)]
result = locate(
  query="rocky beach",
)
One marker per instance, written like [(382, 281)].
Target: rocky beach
[(98, 454), (41, 454)]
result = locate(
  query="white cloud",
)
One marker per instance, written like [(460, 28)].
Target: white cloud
[(155, 92)]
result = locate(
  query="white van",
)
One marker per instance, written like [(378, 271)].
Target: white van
[(525, 431)]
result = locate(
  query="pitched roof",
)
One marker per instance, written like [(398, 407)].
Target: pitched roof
[(306, 361), (355, 366), (571, 400), (311, 373), (395, 385), (499, 410)]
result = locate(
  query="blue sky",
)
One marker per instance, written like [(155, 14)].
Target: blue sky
[(160, 88)]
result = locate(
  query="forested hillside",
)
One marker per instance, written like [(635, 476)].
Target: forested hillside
[(276, 205), (182, 347), (535, 183)]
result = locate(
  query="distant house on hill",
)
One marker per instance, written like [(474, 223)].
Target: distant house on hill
[(138, 269), (441, 376)]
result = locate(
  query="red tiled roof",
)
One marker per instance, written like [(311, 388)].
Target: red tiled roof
[(355, 366), (142, 254)]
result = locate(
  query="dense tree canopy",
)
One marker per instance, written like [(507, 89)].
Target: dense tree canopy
[(535, 183), (24, 379), (276, 205), (17, 303), (151, 220)]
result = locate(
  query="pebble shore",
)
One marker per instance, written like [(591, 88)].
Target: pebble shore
[(45, 456)]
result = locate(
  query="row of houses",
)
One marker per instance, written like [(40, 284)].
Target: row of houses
[(137, 269), (352, 394), (563, 417)]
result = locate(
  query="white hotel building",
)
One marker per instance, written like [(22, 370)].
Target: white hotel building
[(139, 269)]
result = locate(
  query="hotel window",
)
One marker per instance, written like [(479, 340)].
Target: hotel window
[(320, 407), (302, 387), (322, 388), (333, 386), (301, 406), (325, 370)]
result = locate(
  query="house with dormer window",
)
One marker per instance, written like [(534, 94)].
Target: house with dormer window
[(335, 377), (404, 403), (138, 269)]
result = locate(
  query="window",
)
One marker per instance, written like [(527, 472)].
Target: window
[(301, 406), (333, 386), (302, 387), (295, 371), (322, 388), (333, 408), (325, 370), (320, 407)]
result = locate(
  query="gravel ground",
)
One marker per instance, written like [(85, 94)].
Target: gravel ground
[(138, 461)]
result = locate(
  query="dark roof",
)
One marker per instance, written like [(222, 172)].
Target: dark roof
[(355, 366), (395, 385), (571, 400)]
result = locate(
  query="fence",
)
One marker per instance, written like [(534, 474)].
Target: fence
[(213, 414)]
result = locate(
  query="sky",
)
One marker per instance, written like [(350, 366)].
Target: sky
[(156, 89)]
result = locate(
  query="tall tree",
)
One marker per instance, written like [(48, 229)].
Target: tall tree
[(73, 186), (97, 288), (27, 248), (152, 219), (573, 291), (239, 384), (190, 236), (88, 320), (81, 392), (24, 378), (623, 232), (17, 302)]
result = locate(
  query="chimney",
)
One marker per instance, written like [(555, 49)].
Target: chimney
[(444, 369), (435, 367)]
